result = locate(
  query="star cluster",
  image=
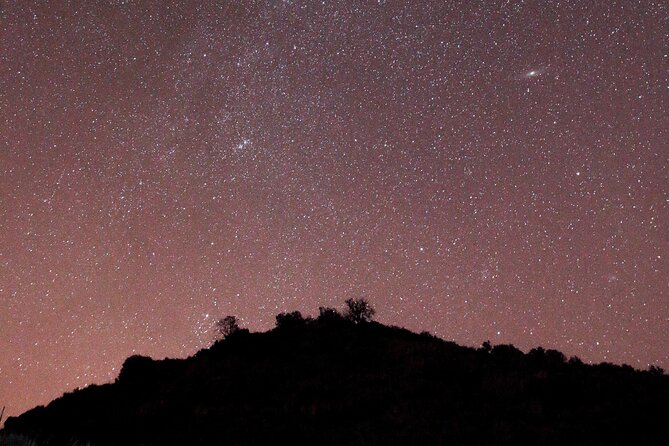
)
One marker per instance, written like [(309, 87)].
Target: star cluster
[(481, 170)]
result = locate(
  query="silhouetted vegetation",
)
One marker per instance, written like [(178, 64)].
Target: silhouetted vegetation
[(346, 380), (292, 320), (327, 315), (136, 367), (359, 310), (226, 326), (486, 347), (655, 370)]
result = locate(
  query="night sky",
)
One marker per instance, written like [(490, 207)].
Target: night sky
[(478, 169)]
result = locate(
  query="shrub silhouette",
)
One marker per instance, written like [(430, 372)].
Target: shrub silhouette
[(506, 353), (290, 320), (359, 310), (545, 358), (486, 347), (655, 370), (554, 357), (135, 367), (329, 315)]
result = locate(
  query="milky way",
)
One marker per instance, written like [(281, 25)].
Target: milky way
[(481, 170)]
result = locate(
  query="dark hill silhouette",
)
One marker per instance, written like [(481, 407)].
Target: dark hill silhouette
[(331, 381)]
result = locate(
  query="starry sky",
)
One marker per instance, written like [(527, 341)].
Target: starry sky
[(478, 169)]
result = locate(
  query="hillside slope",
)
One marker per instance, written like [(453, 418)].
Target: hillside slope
[(334, 382)]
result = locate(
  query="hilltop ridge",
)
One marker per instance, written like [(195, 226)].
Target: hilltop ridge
[(337, 381)]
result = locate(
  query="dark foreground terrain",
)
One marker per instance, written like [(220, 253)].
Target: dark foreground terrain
[(330, 381)]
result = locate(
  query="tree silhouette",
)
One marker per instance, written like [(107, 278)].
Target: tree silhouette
[(359, 310), (226, 326)]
